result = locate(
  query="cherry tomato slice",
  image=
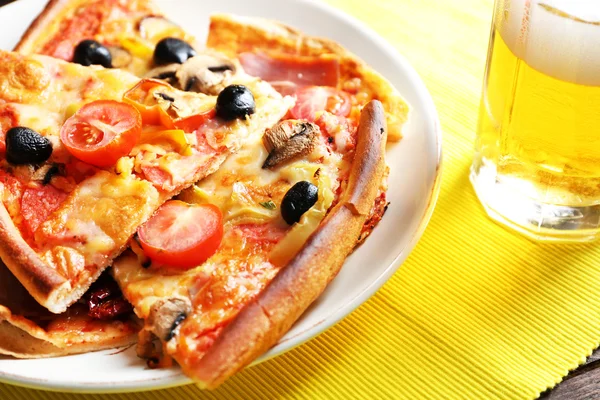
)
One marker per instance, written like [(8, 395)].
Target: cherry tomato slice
[(142, 97), (312, 99), (182, 235), (101, 132)]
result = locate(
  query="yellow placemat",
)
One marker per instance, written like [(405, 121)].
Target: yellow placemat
[(476, 311)]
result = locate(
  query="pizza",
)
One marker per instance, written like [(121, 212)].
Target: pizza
[(284, 134), (293, 203), (90, 154)]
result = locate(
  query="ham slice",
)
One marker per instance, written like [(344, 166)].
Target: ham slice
[(292, 69)]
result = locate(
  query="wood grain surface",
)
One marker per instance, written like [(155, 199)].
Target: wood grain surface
[(581, 384)]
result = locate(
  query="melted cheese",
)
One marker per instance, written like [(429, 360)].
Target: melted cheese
[(99, 216)]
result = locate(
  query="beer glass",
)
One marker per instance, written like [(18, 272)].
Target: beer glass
[(537, 152)]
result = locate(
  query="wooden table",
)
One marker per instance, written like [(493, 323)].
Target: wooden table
[(583, 383)]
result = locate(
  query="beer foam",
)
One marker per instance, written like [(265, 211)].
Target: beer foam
[(556, 37)]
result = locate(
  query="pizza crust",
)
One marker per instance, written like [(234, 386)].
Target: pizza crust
[(232, 35), (21, 338), (45, 25), (48, 23), (45, 284), (264, 321)]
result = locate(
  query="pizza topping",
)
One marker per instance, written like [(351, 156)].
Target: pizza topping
[(287, 140), (172, 50), (121, 58), (105, 300), (38, 203), (160, 104), (204, 73), (102, 131), (46, 172), (312, 100), (90, 52), (153, 27), (26, 146), (182, 235), (298, 200), (269, 205), (166, 316), (175, 139), (296, 236), (164, 72), (235, 101), (300, 70)]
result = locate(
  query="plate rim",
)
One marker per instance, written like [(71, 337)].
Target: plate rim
[(178, 379)]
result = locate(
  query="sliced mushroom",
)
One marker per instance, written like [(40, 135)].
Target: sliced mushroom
[(152, 27), (121, 58), (145, 346), (164, 72), (287, 140), (205, 73), (166, 316), (46, 172)]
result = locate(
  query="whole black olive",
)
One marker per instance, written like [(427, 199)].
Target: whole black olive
[(26, 146), (172, 50), (298, 200), (89, 52), (235, 101)]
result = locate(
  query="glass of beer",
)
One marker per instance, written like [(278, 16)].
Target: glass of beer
[(537, 152)]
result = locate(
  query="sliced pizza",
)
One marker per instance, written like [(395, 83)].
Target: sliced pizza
[(88, 154), (293, 204), (220, 274), (221, 277)]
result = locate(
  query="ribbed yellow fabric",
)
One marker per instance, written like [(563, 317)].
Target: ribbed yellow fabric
[(476, 312)]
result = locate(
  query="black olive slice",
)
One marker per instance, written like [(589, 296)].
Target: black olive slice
[(298, 200), (26, 146), (235, 101), (172, 50), (90, 52)]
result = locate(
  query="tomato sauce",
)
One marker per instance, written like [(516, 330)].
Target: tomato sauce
[(85, 24)]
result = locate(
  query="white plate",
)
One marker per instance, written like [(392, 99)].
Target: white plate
[(413, 188)]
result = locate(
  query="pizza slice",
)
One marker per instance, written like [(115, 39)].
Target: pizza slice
[(293, 204), (88, 154), (112, 33), (215, 316), (221, 277), (306, 67)]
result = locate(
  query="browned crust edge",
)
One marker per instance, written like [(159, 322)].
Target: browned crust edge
[(20, 342), (38, 29), (264, 321), (42, 282), (233, 35)]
